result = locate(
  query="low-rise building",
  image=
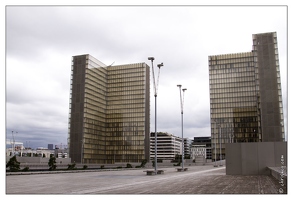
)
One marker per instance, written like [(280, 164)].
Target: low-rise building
[(201, 147), (187, 146), (168, 146)]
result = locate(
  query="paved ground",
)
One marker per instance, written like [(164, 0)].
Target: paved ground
[(197, 180)]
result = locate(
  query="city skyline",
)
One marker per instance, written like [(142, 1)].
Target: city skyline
[(41, 40)]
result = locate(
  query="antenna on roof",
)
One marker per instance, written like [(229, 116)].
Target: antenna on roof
[(111, 64)]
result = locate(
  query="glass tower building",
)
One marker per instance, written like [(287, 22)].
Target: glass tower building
[(109, 115), (245, 95)]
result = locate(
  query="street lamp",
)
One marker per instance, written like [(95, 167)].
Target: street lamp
[(218, 124), (13, 144), (182, 103), (81, 151), (220, 144), (215, 138), (220, 138), (155, 94)]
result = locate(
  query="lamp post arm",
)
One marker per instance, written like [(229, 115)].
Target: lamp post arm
[(154, 81), (157, 85), (183, 99), (181, 104)]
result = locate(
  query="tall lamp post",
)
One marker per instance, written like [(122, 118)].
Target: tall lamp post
[(218, 124), (220, 144), (155, 94), (215, 165), (81, 151), (181, 104), (220, 138), (13, 144)]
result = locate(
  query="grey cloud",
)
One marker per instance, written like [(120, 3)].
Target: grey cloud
[(42, 39)]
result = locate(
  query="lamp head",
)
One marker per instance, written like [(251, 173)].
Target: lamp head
[(179, 86), (151, 58), (160, 65), (184, 89)]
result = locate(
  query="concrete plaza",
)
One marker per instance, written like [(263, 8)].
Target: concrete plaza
[(197, 180)]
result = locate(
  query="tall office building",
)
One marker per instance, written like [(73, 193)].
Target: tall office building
[(245, 95), (109, 116)]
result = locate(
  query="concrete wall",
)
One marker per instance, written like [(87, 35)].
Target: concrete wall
[(254, 158), (40, 160), (233, 158)]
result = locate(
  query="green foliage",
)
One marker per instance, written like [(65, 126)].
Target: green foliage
[(143, 162), (25, 169), (84, 167), (178, 157), (52, 163), (13, 164), (71, 166), (128, 165)]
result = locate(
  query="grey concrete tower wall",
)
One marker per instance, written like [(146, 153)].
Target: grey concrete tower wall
[(77, 108), (265, 50), (233, 158), (254, 158)]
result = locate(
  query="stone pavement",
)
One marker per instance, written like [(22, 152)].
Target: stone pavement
[(197, 180)]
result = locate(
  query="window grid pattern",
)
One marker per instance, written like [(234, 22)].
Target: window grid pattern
[(245, 95), (113, 117), (233, 103)]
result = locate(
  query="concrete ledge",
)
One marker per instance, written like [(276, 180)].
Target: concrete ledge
[(152, 172), (180, 169), (252, 158), (67, 171), (279, 173)]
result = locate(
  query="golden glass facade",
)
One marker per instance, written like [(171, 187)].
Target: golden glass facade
[(112, 124), (239, 100)]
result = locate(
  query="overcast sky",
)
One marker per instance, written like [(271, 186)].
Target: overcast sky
[(40, 42)]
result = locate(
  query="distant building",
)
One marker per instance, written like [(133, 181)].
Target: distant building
[(50, 146), (187, 145), (245, 95), (201, 146), (109, 112), (61, 153), (168, 146), (39, 152)]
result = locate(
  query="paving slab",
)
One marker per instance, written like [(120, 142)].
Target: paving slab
[(197, 180)]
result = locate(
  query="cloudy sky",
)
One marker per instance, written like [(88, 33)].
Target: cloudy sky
[(40, 41)]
